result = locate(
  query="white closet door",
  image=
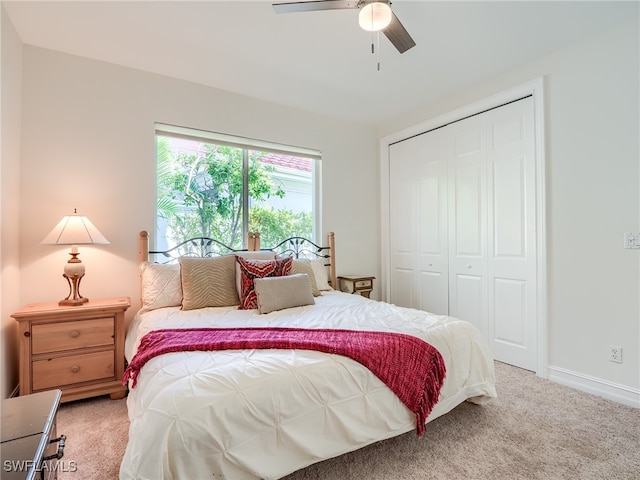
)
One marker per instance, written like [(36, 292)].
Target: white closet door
[(463, 215), (403, 203), (466, 160), (418, 237), (512, 236)]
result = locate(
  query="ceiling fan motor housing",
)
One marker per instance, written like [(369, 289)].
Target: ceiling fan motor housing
[(375, 15)]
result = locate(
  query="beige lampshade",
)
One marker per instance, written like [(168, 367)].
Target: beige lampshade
[(75, 230)]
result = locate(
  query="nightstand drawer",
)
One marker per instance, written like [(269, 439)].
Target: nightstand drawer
[(364, 284), (58, 337), (48, 373)]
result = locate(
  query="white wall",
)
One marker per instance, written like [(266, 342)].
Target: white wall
[(11, 68), (88, 143), (592, 109)]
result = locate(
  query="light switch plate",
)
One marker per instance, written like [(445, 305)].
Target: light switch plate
[(632, 240)]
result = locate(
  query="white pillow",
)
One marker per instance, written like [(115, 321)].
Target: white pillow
[(161, 285), (278, 293), (321, 273)]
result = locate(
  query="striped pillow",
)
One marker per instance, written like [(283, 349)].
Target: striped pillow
[(250, 269), (208, 282)]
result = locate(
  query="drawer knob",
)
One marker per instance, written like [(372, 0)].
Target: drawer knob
[(74, 333), (27, 334), (75, 369)]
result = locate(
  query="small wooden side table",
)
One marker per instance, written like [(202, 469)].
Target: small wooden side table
[(358, 284), (77, 349)]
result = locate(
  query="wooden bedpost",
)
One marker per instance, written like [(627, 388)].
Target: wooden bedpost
[(332, 259), (253, 243), (143, 253)]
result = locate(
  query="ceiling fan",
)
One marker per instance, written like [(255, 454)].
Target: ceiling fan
[(375, 15)]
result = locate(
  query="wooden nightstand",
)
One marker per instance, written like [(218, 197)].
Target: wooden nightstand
[(78, 349), (356, 284)]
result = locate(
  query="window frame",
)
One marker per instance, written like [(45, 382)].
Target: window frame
[(246, 144)]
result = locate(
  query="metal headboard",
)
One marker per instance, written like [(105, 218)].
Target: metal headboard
[(300, 247), (194, 247)]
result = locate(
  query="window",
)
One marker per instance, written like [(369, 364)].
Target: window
[(219, 186)]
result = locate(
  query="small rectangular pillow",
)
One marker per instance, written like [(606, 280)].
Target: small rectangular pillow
[(252, 269), (208, 282), (160, 285), (278, 293)]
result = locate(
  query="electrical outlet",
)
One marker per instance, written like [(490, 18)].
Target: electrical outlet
[(615, 354)]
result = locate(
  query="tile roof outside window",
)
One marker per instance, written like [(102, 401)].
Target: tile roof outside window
[(282, 160)]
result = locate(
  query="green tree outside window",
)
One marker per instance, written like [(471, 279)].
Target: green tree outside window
[(200, 193)]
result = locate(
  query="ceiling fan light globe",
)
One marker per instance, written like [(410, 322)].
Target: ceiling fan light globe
[(374, 16)]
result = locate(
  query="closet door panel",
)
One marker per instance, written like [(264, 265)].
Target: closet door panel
[(468, 192), (467, 221), (511, 260), (404, 207), (432, 261), (510, 305), (403, 282), (433, 255), (419, 240), (509, 208), (468, 299)]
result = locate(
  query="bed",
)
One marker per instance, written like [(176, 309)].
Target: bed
[(263, 413)]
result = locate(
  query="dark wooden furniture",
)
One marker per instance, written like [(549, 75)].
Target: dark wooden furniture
[(30, 449)]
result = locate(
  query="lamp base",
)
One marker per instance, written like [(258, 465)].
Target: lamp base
[(74, 298), (72, 302)]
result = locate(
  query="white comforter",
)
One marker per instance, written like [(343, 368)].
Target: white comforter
[(265, 413)]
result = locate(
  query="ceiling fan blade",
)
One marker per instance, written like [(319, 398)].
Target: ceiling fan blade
[(314, 5), (398, 35)]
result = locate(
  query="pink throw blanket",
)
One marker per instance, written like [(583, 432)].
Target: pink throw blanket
[(413, 369)]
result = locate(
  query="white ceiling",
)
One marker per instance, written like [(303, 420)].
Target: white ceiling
[(317, 61)]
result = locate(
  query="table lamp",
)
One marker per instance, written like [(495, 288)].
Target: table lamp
[(74, 230)]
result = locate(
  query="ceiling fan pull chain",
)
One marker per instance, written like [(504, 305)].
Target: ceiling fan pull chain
[(378, 41), (375, 45), (373, 50)]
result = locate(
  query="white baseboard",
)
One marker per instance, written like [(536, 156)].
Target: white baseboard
[(596, 386)]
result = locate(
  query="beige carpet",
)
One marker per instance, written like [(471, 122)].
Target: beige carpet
[(534, 430)]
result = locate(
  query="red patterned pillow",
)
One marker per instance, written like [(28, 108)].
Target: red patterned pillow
[(250, 269)]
